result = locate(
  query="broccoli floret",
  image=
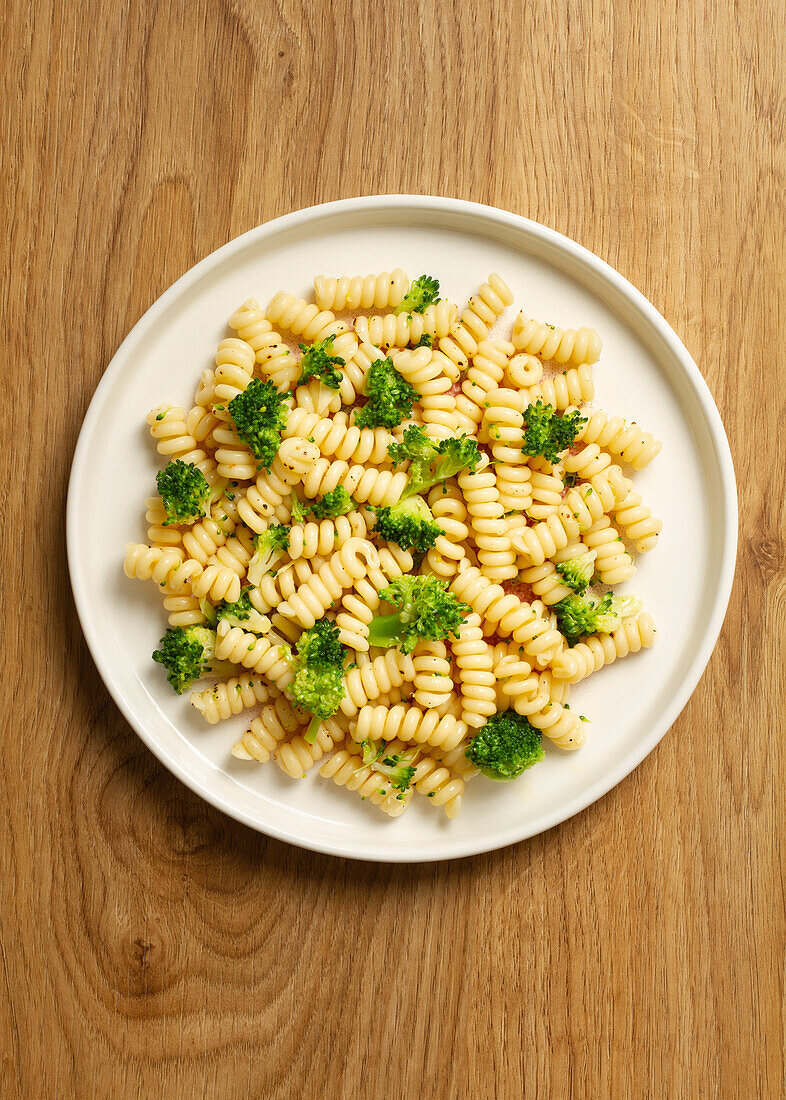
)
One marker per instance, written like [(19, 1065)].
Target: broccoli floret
[(579, 615), (318, 361), (423, 292), (547, 433), (269, 546), (184, 491), (260, 415), (186, 653), (372, 750), (425, 610), (397, 768), (409, 523), (432, 461), (318, 686), (390, 397), (506, 746), (425, 341), (240, 613), (333, 504), (577, 573)]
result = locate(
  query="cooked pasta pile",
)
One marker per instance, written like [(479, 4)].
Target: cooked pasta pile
[(382, 527)]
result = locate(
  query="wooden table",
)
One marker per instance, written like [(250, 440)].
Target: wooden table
[(150, 946)]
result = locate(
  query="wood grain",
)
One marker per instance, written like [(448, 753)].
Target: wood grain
[(151, 947)]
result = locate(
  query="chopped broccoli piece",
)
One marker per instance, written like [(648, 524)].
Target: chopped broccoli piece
[(372, 750), (298, 510), (318, 686), (397, 768), (243, 613), (390, 397), (184, 492), (577, 573), (506, 746), (426, 341), (548, 434), (318, 361), (270, 545), (333, 504), (579, 615), (432, 461), (186, 653), (423, 292), (425, 610), (409, 523), (260, 415)]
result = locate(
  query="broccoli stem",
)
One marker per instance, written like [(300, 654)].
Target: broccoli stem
[(385, 630), (313, 729)]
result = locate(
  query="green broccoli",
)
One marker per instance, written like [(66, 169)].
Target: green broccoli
[(432, 461), (318, 361), (184, 492), (333, 504), (260, 415), (372, 750), (577, 573), (506, 746), (578, 615), (397, 768), (390, 397), (425, 341), (186, 653), (409, 523), (425, 610), (423, 292), (298, 510), (268, 548), (240, 613), (318, 686), (547, 433)]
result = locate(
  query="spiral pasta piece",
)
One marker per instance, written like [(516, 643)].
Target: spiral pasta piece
[(613, 563), (231, 697), (433, 683), (203, 539), (364, 684), (523, 370), (484, 376), (215, 582), (516, 683), (587, 462), (547, 490), (336, 438), (297, 755), (274, 357), (234, 370), (326, 536), (508, 616), (619, 437), (283, 583), (409, 724), (634, 517), (571, 387), (184, 611), (437, 782), (235, 461), (314, 597), (473, 656), (401, 330), (365, 484), (303, 319), (386, 290), (263, 656), (451, 515), (429, 372), (596, 650), (575, 346), (544, 580), (163, 565), (489, 528), (275, 721), (482, 311), (173, 440), (236, 552), (503, 426), (346, 769), (562, 727)]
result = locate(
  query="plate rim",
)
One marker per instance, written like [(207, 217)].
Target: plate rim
[(605, 272)]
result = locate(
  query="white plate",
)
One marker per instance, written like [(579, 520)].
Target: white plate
[(644, 373)]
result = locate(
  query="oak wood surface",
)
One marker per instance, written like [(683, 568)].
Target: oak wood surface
[(150, 946)]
